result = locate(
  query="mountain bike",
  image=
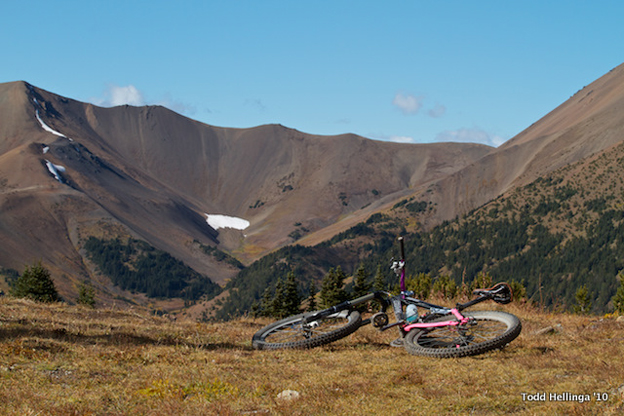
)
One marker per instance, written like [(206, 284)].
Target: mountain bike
[(440, 332)]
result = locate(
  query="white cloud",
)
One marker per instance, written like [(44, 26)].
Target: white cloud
[(408, 104), (438, 111), (470, 135), (392, 138), (126, 95), (116, 95), (401, 139)]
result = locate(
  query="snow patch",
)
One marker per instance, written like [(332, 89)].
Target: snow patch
[(46, 149), (48, 128), (55, 170), (224, 221)]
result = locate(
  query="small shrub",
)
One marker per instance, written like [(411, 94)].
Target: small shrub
[(445, 287), (86, 294), (618, 299), (35, 283), (518, 290), (420, 284), (583, 301)]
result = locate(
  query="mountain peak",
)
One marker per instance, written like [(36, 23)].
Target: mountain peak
[(149, 173)]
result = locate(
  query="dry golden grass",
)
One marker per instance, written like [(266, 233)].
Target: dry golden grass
[(64, 360)]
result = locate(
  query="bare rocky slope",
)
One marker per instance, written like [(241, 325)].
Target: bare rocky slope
[(152, 174), (70, 170), (591, 121)]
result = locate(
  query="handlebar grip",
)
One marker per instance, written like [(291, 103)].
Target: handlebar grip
[(402, 248)]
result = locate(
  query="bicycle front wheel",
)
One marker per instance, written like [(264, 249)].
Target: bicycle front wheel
[(293, 332), (487, 330)]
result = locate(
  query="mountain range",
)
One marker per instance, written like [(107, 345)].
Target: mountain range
[(71, 170)]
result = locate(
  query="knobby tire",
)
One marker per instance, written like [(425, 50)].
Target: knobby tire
[(290, 332), (493, 330)]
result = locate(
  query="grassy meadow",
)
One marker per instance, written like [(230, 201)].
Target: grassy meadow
[(70, 360)]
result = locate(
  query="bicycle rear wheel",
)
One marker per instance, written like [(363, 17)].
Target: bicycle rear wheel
[(487, 330), (292, 332)]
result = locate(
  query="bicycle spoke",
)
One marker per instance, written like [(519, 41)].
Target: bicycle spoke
[(453, 336), (298, 330)]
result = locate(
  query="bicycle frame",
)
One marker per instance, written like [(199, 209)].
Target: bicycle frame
[(440, 332), (398, 301), (386, 300)]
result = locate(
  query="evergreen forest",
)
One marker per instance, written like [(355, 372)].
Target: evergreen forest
[(558, 238), (136, 266)]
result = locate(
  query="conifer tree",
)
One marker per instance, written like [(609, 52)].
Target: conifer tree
[(278, 299), (618, 298), (311, 297), (35, 283), (86, 294), (583, 300), (290, 301), (361, 286), (285, 301), (379, 282), (254, 311), (266, 304), (332, 288)]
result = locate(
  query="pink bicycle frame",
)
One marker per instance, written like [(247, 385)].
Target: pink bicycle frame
[(462, 320)]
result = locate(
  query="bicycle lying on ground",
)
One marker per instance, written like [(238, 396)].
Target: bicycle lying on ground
[(440, 332)]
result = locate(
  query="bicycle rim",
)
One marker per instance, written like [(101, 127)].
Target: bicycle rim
[(488, 330), (292, 332)]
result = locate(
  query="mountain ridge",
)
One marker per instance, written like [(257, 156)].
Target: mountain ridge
[(578, 128), (149, 173)]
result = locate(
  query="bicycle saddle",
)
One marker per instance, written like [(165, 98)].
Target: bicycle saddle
[(499, 293)]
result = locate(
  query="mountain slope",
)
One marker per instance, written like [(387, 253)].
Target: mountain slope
[(555, 235), (71, 170), (590, 121), (545, 209)]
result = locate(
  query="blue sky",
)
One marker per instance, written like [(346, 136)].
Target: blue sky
[(412, 71)]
